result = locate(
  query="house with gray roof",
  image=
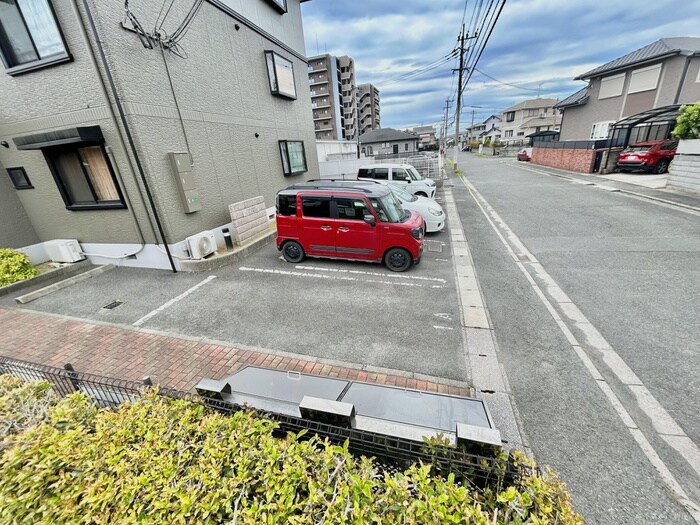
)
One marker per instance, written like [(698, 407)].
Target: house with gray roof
[(388, 141), (663, 73), (529, 116)]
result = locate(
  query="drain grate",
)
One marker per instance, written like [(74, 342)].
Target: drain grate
[(112, 305), (433, 246)]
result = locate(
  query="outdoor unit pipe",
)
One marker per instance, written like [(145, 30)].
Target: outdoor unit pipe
[(127, 130)]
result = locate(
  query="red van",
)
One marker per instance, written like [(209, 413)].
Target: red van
[(363, 222)]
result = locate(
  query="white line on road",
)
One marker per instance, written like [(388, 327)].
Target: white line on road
[(437, 327), (328, 277), (663, 423), (173, 301), (376, 274)]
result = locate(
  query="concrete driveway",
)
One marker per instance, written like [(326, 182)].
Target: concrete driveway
[(344, 311)]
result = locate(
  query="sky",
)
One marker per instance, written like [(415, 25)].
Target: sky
[(538, 46)]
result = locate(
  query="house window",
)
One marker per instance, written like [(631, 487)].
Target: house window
[(521, 133), (510, 116), (30, 37), (280, 5), (84, 177), (293, 156), (19, 178), (644, 79), (601, 130), (508, 133), (280, 73), (611, 86), (405, 147)]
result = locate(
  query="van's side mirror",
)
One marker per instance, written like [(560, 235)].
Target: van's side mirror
[(408, 180), (369, 219)]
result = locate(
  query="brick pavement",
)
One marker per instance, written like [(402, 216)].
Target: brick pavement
[(178, 362)]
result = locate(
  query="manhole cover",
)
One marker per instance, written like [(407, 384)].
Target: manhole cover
[(433, 246), (112, 305)]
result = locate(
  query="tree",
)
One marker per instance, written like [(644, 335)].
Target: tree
[(688, 122)]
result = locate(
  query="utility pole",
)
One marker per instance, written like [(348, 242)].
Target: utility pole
[(444, 124), (462, 38)]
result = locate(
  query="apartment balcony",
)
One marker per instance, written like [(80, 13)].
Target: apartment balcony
[(319, 93), (323, 117), (324, 128), (316, 81), (312, 69), (320, 105)]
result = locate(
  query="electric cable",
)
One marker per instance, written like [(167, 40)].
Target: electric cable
[(504, 83)]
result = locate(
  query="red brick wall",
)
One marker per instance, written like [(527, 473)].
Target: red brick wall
[(580, 160)]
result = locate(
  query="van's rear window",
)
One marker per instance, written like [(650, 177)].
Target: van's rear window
[(286, 205)]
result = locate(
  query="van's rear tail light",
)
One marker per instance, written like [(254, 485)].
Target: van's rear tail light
[(417, 233)]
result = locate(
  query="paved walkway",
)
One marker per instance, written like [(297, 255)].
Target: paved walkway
[(172, 361)]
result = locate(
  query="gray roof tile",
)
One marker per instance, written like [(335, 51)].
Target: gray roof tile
[(660, 48)]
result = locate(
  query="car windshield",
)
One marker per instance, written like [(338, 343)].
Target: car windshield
[(637, 149), (413, 172), (404, 195), (389, 209)]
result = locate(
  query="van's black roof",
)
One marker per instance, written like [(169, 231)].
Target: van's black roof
[(369, 188)]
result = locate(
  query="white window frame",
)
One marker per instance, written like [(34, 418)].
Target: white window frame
[(697, 79), (598, 126), (615, 90), (646, 86)]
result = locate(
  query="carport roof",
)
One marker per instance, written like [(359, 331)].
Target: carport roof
[(656, 115)]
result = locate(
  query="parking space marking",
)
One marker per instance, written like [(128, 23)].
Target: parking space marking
[(171, 302), (376, 274), (329, 277), (437, 327)]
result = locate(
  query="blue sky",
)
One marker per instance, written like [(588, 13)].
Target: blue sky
[(537, 45)]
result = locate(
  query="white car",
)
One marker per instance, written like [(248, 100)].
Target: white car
[(404, 174), (431, 211)]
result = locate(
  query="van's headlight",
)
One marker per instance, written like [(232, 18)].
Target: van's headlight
[(436, 212), (417, 233)]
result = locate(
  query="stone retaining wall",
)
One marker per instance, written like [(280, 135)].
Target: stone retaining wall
[(684, 172), (248, 219)]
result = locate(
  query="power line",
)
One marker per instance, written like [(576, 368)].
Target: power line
[(505, 83), (418, 71), (488, 36)]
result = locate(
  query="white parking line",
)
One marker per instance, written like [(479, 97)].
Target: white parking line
[(437, 327), (376, 274), (664, 425), (173, 301), (329, 277)]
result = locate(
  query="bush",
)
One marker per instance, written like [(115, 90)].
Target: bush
[(14, 266), (688, 122), (160, 460)]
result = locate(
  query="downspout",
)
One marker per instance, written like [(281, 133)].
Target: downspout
[(125, 124), (683, 77)]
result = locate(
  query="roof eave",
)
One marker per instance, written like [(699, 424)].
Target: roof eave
[(591, 74)]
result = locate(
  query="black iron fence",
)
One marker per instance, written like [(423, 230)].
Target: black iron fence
[(582, 144), (390, 452)]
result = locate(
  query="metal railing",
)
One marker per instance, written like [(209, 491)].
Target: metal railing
[(390, 452), (426, 166)]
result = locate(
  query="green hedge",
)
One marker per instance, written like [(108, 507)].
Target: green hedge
[(14, 266), (165, 461)]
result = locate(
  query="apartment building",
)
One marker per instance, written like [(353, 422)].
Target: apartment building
[(333, 97), (110, 136), (529, 116), (369, 108)]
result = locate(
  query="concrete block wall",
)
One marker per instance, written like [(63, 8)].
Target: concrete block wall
[(684, 172), (248, 219), (580, 160)]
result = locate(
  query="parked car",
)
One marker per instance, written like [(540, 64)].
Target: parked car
[(362, 222), (431, 211), (653, 156), (403, 174), (525, 154)]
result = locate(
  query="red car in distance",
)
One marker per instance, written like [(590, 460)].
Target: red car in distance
[(653, 156)]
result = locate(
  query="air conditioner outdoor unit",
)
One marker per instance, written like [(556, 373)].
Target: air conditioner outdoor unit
[(64, 250), (201, 245)]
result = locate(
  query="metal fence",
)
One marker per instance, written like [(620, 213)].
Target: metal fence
[(391, 453), (426, 166)]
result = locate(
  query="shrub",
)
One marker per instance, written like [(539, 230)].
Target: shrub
[(14, 266), (688, 122), (160, 460), (22, 405)]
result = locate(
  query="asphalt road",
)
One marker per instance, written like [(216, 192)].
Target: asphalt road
[(622, 276)]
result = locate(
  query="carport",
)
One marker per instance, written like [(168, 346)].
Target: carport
[(652, 124)]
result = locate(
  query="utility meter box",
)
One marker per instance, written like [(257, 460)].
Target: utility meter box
[(181, 164)]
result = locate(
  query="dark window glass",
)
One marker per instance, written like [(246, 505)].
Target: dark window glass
[(287, 205), (366, 173), (29, 32), (316, 207), (293, 156), (400, 174), (351, 209), (510, 116), (19, 178), (381, 173), (84, 177)]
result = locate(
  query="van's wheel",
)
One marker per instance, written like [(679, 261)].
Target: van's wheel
[(421, 194), (397, 260), (293, 252), (661, 167)]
